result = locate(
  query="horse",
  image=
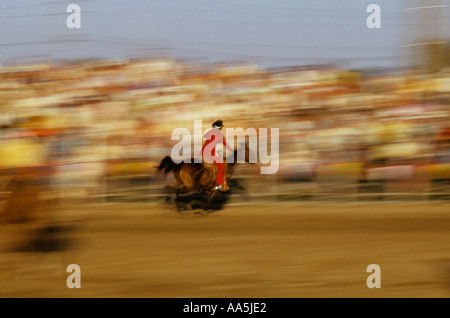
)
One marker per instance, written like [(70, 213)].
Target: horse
[(200, 177)]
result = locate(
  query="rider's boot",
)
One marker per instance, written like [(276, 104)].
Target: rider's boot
[(218, 187)]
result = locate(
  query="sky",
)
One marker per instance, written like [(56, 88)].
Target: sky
[(267, 32)]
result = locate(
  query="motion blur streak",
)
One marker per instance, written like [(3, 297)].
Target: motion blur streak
[(80, 142)]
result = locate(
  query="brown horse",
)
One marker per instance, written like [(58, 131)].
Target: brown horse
[(192, 176)]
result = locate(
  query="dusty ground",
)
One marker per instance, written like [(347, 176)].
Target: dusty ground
[(272, 250)]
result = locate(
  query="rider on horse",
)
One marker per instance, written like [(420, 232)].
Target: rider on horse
[(214, 137)]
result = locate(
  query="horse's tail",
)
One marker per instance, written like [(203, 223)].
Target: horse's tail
[(168, 165)]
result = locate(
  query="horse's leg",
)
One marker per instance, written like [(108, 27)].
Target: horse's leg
[(187, 178), (187, 173), (180, 188), (206, 180), (210, 200)]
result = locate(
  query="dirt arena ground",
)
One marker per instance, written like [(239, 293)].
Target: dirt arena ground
[(267, 250)]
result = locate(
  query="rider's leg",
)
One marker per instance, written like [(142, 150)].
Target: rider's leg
[(220, 173)]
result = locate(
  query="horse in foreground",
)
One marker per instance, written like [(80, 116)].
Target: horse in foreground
[(199, 178)]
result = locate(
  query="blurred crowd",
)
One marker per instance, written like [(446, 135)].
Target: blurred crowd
[(77, 123)]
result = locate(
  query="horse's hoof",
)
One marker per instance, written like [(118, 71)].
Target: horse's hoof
[(196, 204)]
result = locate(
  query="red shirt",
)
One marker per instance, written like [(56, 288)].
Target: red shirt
[(210, 137)]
